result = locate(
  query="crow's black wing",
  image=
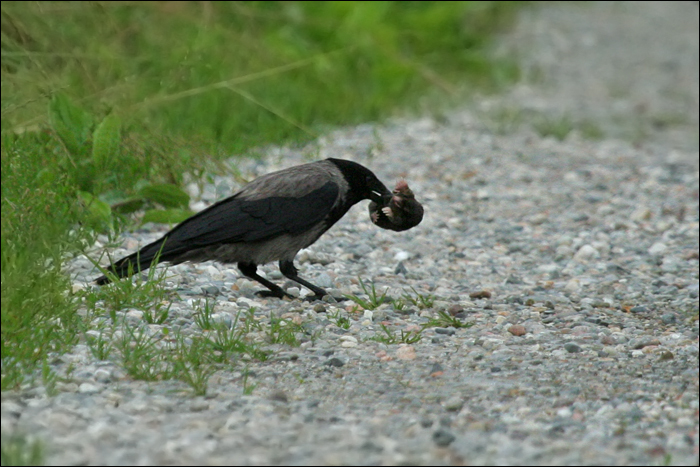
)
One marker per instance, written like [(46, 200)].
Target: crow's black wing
[(238, 219)]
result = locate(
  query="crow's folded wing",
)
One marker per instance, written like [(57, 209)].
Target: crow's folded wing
[(238, 219)]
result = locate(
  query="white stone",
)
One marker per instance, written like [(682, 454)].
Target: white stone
[(586, 253), (657, 248)]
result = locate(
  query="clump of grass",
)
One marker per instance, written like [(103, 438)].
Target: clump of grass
[(229, 342), (401, 337), (202, 315), (100, 343), (18, 449), (374, 299), (148, 295), (248, 387), (38, 229), (445, 320), (141, 352), (422, 301), (283, 331), (190, 363), (339, 320)]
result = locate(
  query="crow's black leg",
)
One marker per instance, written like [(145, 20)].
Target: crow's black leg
[(249, 270), (287, 268)]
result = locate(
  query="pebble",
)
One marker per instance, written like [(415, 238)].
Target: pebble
[(335, 361), (443, 437), (572, 348), (586, 253), (454, 404), (406, 352)]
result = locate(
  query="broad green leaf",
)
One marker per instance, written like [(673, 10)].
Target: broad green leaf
[(166, 216), (71, 123), (128, 206), (99, 213), (168, 195), (105, 141)]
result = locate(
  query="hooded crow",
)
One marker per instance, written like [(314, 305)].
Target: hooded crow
[(270, 219)]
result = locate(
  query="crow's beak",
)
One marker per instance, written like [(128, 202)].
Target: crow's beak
[(379, 198)]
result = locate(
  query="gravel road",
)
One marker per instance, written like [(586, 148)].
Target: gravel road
[(575, 260)]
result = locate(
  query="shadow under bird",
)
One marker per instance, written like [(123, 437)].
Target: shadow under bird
[(272, 218)]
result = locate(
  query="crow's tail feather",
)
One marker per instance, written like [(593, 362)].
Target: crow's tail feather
[(134, 263)]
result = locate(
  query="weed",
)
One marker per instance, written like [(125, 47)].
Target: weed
[(373, 298), (248, 388), (18, 449), (141, 356), (191, 363), (283, 331), (422, 301), (445, 320), (202, 315), (402, 337), (100, 344), (339, 320), (49, 378)]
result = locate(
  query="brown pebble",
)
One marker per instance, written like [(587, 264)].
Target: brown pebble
[(691, 254), (480, 294), (406, 352), (608, 340), (278, 395), (455, 309), (517, 330)]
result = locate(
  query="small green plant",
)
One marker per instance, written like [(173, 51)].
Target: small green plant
[(283, 331), (558, 127), (91, 150), (401, 337), (140, 353), (18, 449), (229, 342), (49, 378), (341, 321), (100, 344), (158, 314), (374, 299), (248, 388), (202, 317), (422, 301), (148, 295), (191, 363), (445, 320), (399, 304)]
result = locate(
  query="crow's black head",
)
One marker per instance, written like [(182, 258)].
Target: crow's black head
[(363, 183)]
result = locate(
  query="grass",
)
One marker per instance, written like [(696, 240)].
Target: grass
[(343, 322), (445, 320), (400, 337), (20, 450), (107, 114), (374, 299), (505, 120), (422, 301)]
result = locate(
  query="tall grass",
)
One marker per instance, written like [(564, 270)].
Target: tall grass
[(38, 227), (235, 75)]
